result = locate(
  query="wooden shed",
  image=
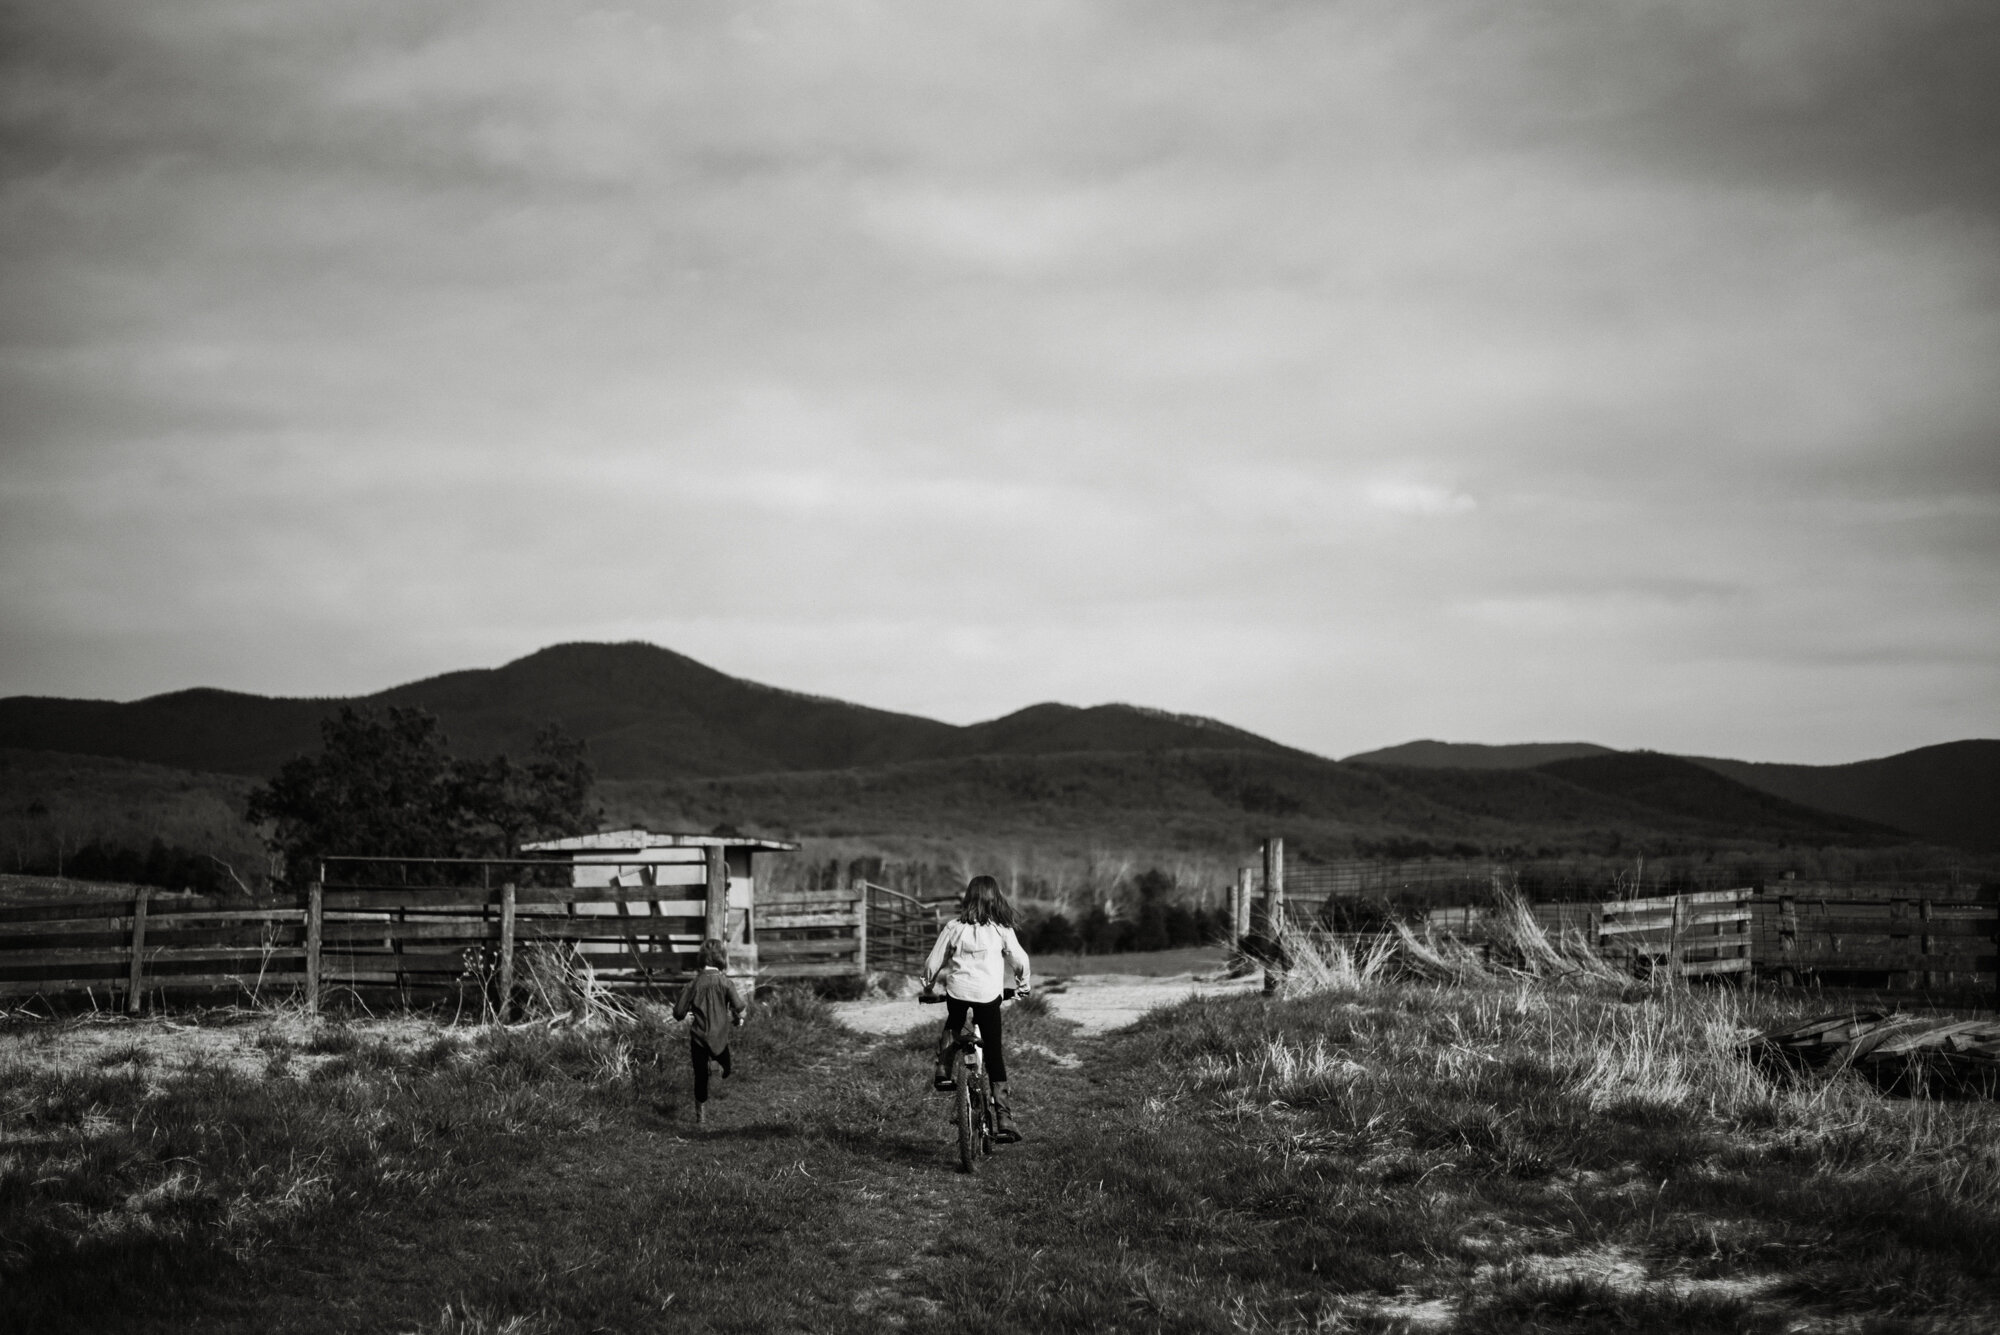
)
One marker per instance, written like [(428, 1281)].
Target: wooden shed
[(707, 881)]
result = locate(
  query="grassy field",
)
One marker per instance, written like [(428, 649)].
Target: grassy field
[(1372, 1155)]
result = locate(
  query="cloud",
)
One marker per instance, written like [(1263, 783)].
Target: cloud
[(1418, 498), (1343, 371)]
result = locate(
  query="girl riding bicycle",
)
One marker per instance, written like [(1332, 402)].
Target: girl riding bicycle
[(970, 958)]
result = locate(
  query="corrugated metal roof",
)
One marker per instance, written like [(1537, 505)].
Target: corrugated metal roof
[(632, 840)]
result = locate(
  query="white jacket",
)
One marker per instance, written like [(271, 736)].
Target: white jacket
[(971, 959)]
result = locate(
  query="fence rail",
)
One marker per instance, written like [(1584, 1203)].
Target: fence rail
[(1899, 936), (426, 942), (818, 935), (901, 929)]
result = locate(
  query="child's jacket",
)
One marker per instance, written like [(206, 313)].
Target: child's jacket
[(713, 1001), (973, 958)]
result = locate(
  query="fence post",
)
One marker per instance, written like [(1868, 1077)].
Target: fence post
[(1239, 906), (715, 922), (138, 949), (1274, 906), (1274, 885), (315, 910), (506, 950), (1675, 950), (861, 929)]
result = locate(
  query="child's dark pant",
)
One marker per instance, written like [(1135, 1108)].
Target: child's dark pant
[(698, 1052), (987, 1014)]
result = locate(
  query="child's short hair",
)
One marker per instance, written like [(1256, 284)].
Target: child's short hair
[(714, 955), (983, 902)]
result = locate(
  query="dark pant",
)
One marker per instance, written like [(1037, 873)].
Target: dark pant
[(698, 1052), (987, 1014)]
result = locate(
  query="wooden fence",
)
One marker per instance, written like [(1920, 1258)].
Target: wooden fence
[(1920, 936), (426, 943), (152, 943), (1895, 936), (410, 943), (822, 934), (828, 933), (901, 929), (1707, 932)]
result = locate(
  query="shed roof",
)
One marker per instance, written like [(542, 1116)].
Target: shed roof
[(633, 840)]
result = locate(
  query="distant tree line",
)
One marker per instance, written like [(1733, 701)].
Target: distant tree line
[(160, 864), (385, 785), (1159, 921)]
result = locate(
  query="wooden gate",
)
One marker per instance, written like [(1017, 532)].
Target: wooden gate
[(901, 930), (1703, 933)]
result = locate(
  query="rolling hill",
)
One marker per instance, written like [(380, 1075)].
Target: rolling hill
[(1949, 793), (681, 745), (1475, 755), (647, 712)]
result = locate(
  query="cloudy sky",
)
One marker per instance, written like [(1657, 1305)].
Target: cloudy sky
[(1352, 370)]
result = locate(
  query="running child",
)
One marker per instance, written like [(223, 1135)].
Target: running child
[(971, 958), (712, 999)]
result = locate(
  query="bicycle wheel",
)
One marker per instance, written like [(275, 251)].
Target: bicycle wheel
[(962, 1080)]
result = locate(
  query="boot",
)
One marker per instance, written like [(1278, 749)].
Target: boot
[(941, 1079), (701, 1114), (1008, 1134)]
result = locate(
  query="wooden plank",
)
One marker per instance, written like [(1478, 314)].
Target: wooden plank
[(315, 937), (632, 949), (785, 949), (475, 930), (155, 941), (778, 919), (861, 934), (152, 955), (843, 935), (715, 915), (1895, 961), (1663, 923), (414, 982), (507, 892), (34, 910), (1699, 967), (813, 969), (343, 933), (1665, 903), (605, 929), (1848, 908), (656, 907), (49, 987), (1962, 927), (157, 919), (1881, 944), (473, 898)]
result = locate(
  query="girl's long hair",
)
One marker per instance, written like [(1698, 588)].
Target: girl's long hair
[(983, 902)]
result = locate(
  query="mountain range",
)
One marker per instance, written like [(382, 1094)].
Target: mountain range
[(704, 743)]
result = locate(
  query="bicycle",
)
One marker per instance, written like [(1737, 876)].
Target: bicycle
[(973, 1109)]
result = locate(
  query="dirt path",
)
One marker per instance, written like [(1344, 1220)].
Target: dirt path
[(1096, 1003), (830, 1179)]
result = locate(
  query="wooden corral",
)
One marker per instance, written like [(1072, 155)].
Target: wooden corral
[(1900, 936), (117, 944)]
